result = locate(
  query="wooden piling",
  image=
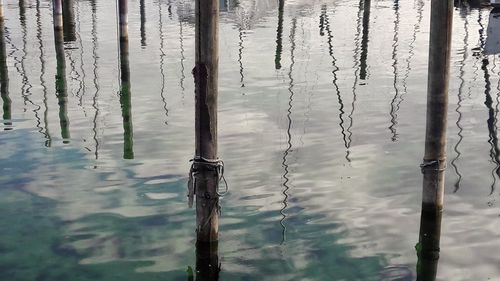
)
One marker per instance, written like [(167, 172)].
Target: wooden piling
[(69, 24), (123, 19), (61, 88), (205, 76), (4, 74), (434, 162)]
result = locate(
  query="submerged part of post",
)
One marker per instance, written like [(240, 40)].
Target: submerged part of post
[(207, 261), (206, 165)]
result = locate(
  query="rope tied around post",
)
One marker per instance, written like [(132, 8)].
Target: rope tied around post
[(438, 165), (215, 165)]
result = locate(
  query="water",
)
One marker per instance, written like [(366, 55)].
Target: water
[(321, 127)]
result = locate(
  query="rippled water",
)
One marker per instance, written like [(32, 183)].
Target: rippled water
[(321, 126)]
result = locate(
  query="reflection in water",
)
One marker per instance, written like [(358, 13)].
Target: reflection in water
[(288, 131), (492, 134), (279, 36), (364, 41), (162, 61), (4, 79), (82, 89), (125, 95), (26, 87), (459, 105), (61, 87), (357, 47), (39, 36), (95, 68), (207, 262), (143, 23), (428, 244), (69, 21), (335, 81), (394, 104), (240, 57), (183, 58)]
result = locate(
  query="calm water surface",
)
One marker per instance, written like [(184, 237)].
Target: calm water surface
[(322, 119)]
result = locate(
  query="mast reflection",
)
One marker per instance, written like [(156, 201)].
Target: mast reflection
[(4, 79)]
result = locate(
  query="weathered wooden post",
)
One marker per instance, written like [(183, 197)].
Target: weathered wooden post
[(4, 74), (125, 94), (434, 162), (61, 91), (207, 168), (69, 24), (143, 23), (279, 36)]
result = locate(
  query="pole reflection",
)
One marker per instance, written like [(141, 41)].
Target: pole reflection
[(48, 138), (394, 104), (279, 35), (61, 86), (125, 93), (162, 61), (143, 23), (363, 74), (4, 76), (69, 23), (288, 131)]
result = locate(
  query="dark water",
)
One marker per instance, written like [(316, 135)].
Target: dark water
[(322, 118)]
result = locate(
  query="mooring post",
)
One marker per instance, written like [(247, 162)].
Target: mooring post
[(434, 162), (61, 90), (125, 93), (4, 74), (69, 25), (206, 167)]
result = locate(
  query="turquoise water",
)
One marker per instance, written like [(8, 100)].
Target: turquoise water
[(321, 127)]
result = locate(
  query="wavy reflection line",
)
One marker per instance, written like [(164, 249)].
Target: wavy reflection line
[(162, 61), (322, 20), (459, 106), (26, 84), (183, 58), (363, 74), (169, 8), (82, 88), (279, 35), (240, 57), (335, 79), (95, 69), (39, 36), (411, 53), (394, 104), (288, 131), (492, 134), (142, 7), (356, 67)]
